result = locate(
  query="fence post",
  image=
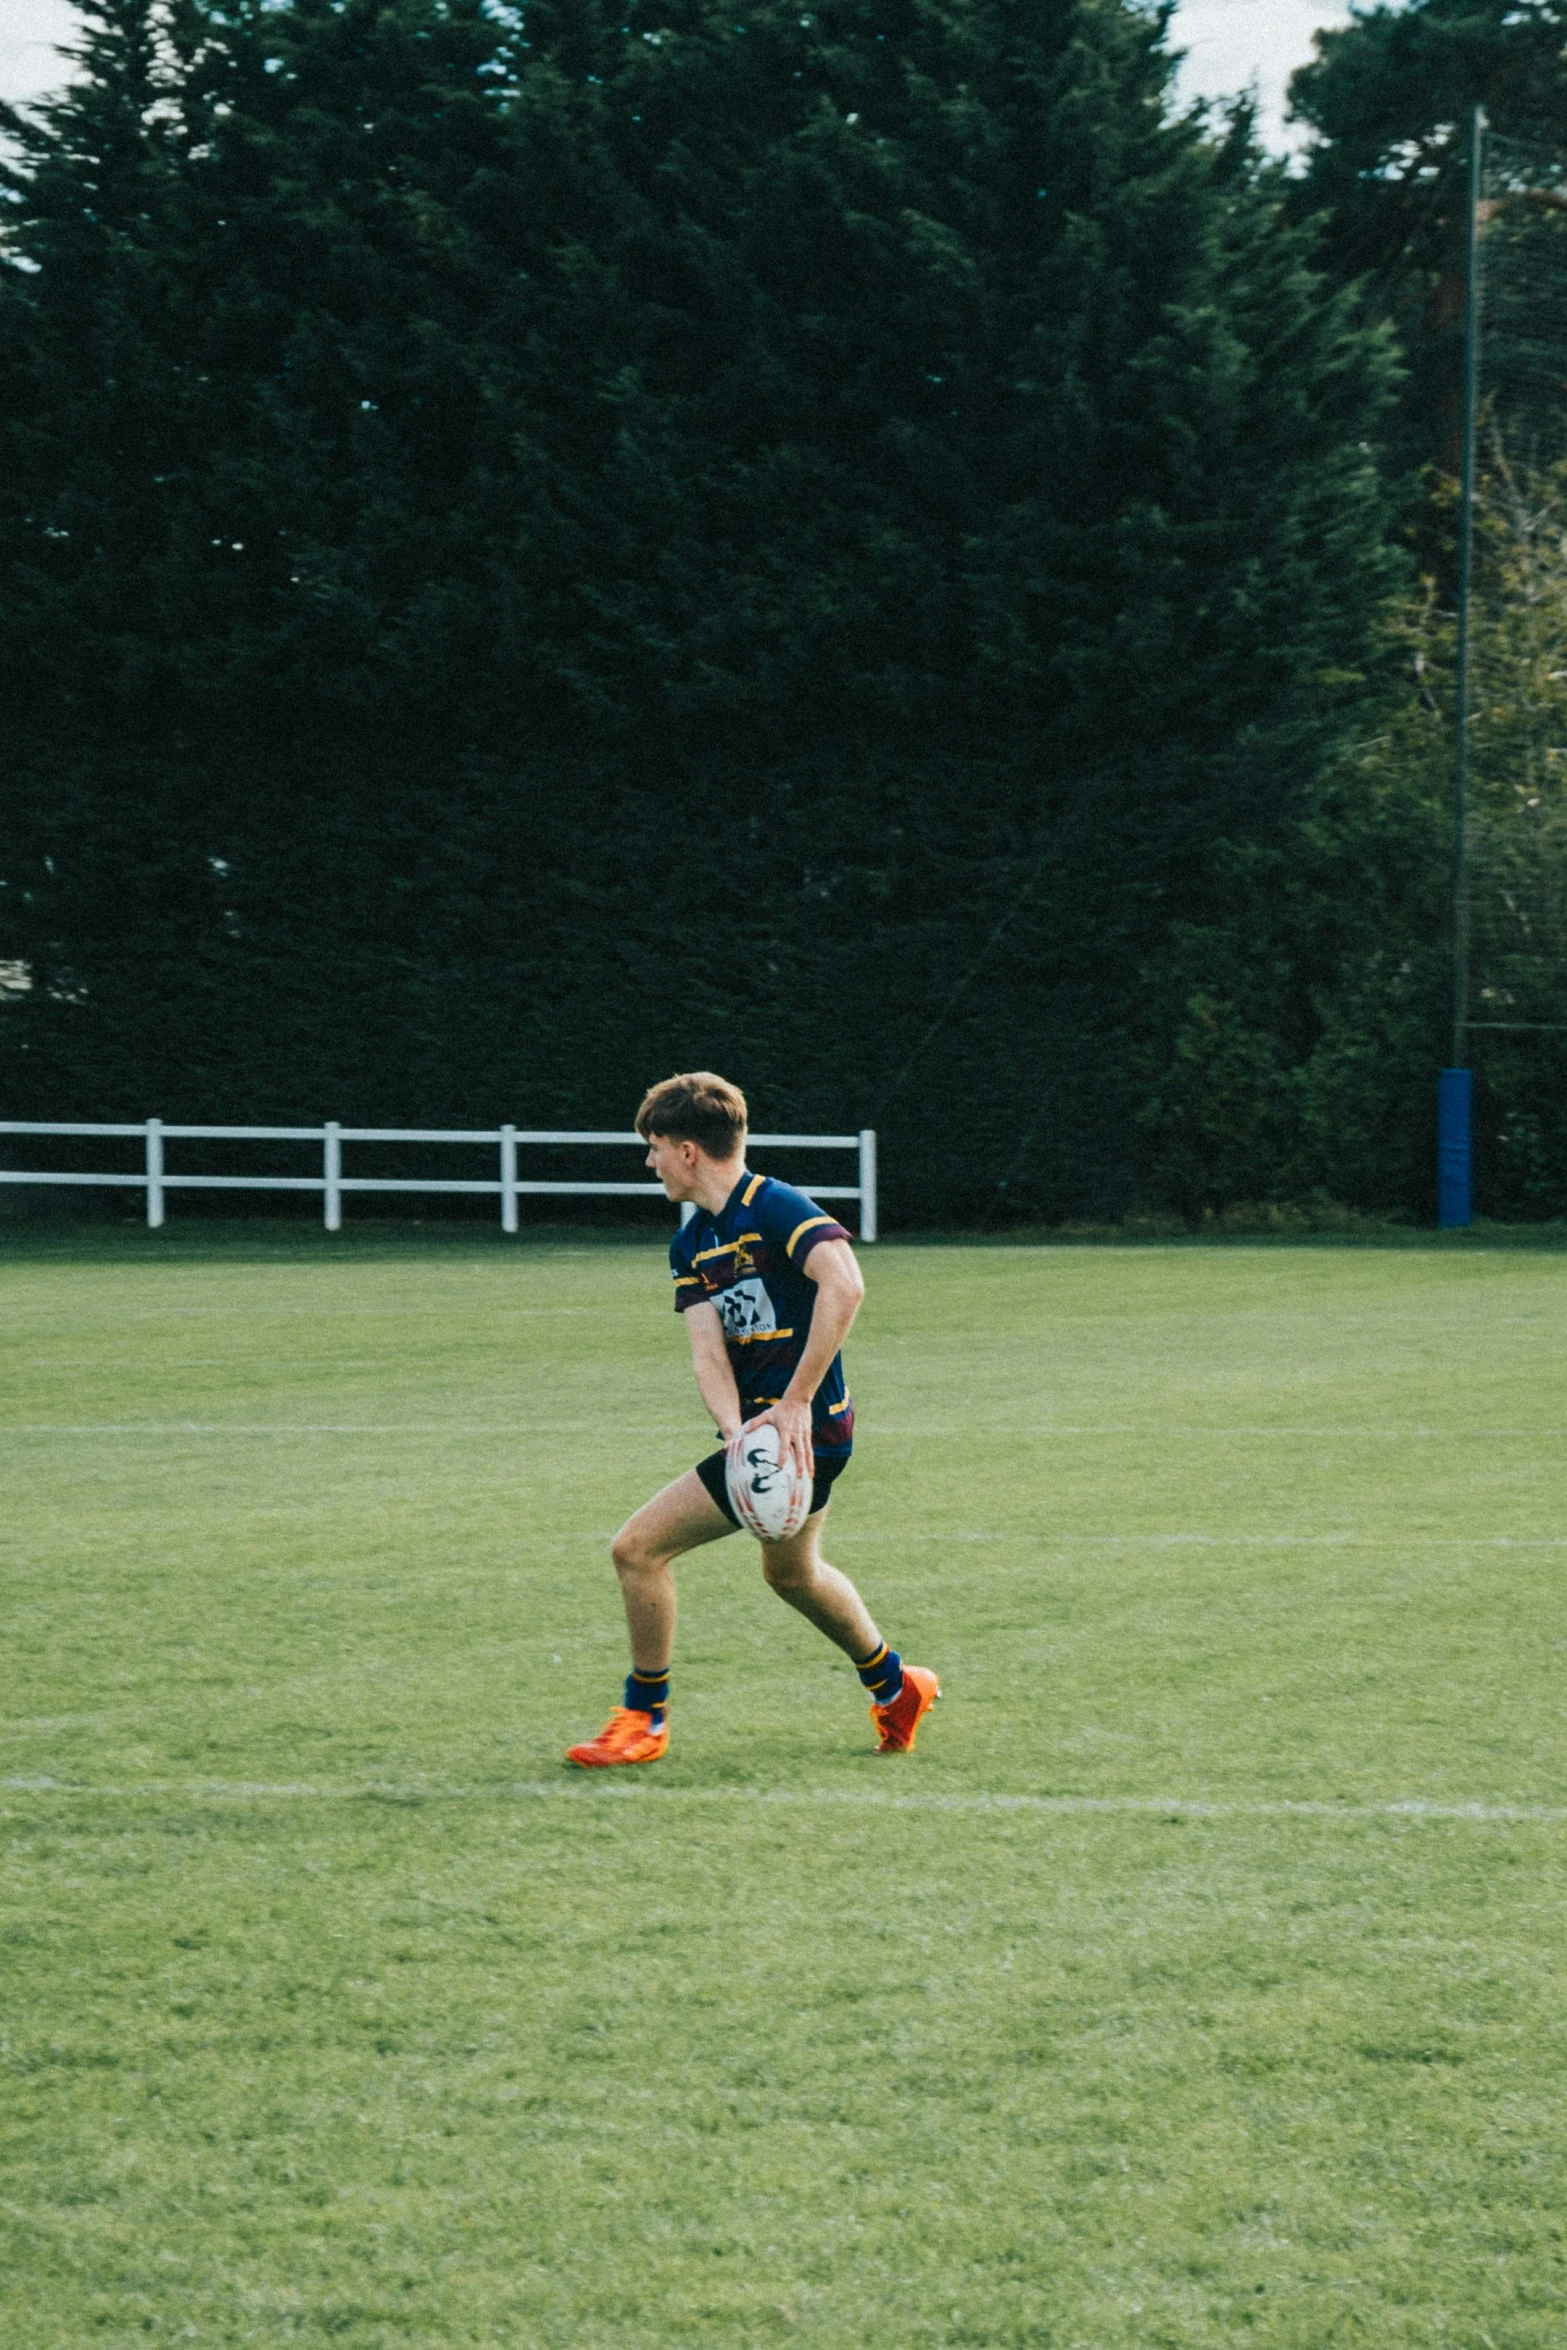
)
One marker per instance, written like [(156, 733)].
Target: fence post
[(332, 1171), (154, 1173), (508, 1178), (868, 1183)]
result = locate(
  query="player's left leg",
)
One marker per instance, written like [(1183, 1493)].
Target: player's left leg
[(797, 1571), (680, 1518), (900, 1694)]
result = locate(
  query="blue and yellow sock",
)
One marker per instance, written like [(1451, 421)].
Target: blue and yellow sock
[(882, 1674), (648, 1693)]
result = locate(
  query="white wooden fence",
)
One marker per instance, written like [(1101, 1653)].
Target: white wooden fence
[(332, 1183)]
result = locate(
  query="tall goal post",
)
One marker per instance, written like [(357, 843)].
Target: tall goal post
[(1509, 767), (1455, 1086)]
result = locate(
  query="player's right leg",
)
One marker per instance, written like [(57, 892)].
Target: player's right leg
[(901, 1695), (681, 1518)]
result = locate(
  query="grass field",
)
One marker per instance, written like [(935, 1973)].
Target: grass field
[(1199, 1981)]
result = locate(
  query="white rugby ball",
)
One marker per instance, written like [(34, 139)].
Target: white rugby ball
[(770, 1497)]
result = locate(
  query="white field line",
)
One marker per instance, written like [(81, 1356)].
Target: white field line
[(1389, 1431), (1399, 1536), (1157, 1430), (344, 1428), (576, 1790)]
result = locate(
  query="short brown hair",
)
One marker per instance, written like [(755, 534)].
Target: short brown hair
[(698, 1107)]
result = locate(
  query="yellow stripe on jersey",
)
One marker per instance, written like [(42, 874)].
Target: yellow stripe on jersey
[(755, 1337), (809, 1225), (727, 1248), (751, 1190)]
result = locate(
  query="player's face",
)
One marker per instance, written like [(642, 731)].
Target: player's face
[(674, 1163)]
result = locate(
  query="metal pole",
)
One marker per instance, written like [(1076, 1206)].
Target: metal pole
[(508, 1178), (1455, 1088), (1466, 507), (332, 1173), (868, 1223), (1455, 1094), (154, 1173)]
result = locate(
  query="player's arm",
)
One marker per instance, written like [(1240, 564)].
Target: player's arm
[(710, 1360), (840, 1290)]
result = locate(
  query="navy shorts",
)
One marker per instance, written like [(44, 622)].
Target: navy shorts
[(829, 1468)]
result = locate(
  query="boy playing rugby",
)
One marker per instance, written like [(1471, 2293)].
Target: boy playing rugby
[(768, 1286)]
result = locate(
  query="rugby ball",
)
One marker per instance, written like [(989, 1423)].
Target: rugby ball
[(770, 1497)]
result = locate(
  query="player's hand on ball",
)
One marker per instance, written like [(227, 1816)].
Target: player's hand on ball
[(793, 1423)]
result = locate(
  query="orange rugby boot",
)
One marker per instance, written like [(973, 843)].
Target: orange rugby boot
[(898, 1722), (627, 1737)]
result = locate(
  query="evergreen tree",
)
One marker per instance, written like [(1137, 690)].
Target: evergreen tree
[(1389, 98), (1352, 921), (550, 548)]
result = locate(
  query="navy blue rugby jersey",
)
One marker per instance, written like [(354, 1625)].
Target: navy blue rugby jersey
[(747, 1262)]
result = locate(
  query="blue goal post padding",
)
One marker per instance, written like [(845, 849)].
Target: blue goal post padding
[(1454, 1123)]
